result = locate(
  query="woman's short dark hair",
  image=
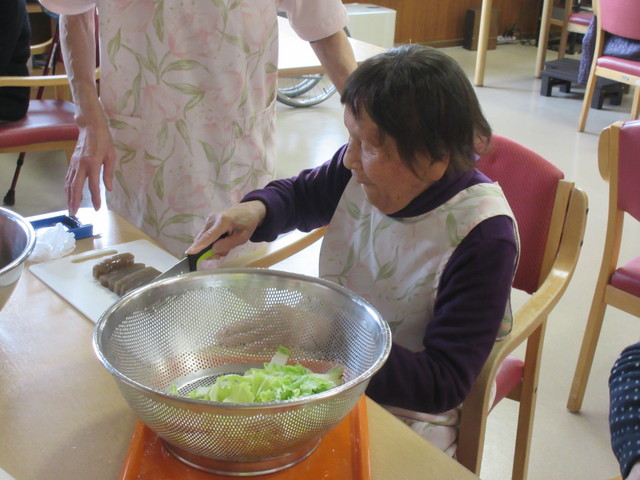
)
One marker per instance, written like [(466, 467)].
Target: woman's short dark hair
[(421, 98)]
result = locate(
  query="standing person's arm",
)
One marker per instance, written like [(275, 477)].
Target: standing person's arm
[(336, 55), (94, 152), (322, 22)]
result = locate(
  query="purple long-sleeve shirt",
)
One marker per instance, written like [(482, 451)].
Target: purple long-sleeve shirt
[(472, 294)]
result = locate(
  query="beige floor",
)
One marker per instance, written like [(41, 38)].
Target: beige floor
[(565, 445)]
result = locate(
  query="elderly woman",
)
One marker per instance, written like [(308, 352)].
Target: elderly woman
[(413, 228)]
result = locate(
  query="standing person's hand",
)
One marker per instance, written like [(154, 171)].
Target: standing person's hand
[(94, 154), (238, 223)]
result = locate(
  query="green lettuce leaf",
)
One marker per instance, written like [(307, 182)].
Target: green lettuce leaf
[(275, 381)]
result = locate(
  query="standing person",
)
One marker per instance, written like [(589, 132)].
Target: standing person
[(186, 114), (624, 411), (15, 50), (413, 228)]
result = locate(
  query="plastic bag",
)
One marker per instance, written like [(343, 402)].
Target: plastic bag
[(51, 243)]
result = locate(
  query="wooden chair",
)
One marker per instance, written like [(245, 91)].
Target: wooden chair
[(49, 123), (617, 285), (621, 18), (571, 22), (551, 215)]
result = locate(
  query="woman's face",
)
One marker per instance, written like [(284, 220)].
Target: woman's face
[(376, 165)]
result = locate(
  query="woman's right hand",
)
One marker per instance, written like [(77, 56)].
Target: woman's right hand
[(238, 223)]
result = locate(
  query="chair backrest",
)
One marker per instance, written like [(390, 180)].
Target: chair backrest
[(527, 180), (629, 167), (620, 17)]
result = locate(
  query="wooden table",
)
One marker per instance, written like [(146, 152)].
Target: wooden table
[(296, 57), (61, 413)]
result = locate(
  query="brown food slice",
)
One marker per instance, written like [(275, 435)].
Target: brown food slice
[(134, 280), (109, 264), (107, 280)]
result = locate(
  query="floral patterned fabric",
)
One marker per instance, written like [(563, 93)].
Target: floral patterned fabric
[(189, 87), (374, 256)]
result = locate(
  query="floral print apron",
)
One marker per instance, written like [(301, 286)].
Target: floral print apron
[(374, 256), (189, 88)]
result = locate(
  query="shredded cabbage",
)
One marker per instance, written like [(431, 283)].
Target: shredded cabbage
[(275, 381)]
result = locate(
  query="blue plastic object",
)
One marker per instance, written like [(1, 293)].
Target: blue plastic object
[(72, 224)]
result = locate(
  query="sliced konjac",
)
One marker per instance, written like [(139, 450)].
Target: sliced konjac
[(135, 279), (112, 263), (121, 274), (108, 279)]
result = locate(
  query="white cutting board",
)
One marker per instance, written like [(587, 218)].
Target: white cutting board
[(73, 280)]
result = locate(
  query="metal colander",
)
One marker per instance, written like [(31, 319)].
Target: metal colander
[(185, 331)]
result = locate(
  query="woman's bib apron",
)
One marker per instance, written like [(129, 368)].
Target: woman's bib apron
[(375, 256)]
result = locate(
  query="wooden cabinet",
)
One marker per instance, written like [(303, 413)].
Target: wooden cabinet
[(440, 23)]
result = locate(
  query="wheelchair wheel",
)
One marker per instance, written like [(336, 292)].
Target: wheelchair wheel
[(305, 90)]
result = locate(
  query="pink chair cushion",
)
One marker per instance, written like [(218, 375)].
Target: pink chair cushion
[(509, 376), (532, 181), (627, 277), (630, 67), (581, 18), (46, 121), (629, 168)]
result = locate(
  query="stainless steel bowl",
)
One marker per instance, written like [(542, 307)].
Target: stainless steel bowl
[(174, 332), (17, 240)]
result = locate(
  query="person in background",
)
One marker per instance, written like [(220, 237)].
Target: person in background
[(15, 35), (624, 411), (186, 113), (413, 228)]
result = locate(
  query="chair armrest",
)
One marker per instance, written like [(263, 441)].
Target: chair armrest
[(41, 47), (283, 247), (38, 80), (528, 322), (34, 81), (536, 309)]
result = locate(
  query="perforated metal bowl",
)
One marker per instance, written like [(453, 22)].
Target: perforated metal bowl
[(17, 240), (175, 332)]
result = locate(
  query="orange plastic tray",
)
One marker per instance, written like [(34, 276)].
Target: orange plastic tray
[(343, 453)]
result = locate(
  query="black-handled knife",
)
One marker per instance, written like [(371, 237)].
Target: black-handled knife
[(188, 264)]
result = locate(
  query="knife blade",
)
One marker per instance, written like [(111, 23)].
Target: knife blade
[(178, 269), (189, 263)]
